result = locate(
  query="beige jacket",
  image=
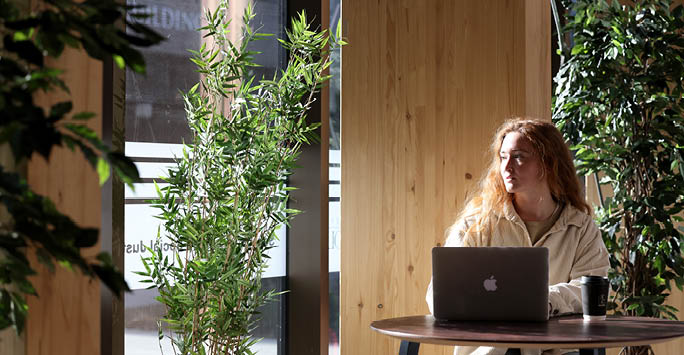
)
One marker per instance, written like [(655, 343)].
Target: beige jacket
[(575, 249)]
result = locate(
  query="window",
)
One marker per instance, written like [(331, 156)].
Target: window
[(334, 186), (155, 130)]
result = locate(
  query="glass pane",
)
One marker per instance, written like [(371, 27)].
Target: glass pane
[(334, 176), (155, 129)]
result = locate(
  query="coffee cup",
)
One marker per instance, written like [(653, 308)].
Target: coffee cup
[(594, 297)]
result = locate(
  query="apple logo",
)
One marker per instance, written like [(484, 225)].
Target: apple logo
[(490, 284)]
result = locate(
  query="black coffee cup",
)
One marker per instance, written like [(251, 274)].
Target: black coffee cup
[(594, 297)]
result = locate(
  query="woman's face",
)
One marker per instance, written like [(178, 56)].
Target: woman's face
[(520, 165)]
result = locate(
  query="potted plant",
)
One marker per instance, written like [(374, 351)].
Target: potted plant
[(32, 223), (227, 194), (619, 102)]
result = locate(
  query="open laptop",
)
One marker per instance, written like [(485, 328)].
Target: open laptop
[(491, 283)]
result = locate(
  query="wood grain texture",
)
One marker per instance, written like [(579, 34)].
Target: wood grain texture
[(11, 343), (424, 85), (65, 319)]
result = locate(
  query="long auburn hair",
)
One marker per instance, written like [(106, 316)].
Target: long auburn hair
[(557, 167)]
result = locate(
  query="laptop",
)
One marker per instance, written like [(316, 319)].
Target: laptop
[(491, 283)]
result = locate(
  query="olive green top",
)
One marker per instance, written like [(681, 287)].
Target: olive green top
[(536, 229)]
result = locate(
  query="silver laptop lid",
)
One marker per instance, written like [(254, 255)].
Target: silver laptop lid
[(490, 283)]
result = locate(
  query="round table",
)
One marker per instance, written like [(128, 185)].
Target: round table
[(567, 332)]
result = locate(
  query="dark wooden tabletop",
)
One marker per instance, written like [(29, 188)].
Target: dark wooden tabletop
[(561, 332)]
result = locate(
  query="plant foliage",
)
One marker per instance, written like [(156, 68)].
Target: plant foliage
[(28, 40), (227, 194), (619, 103)]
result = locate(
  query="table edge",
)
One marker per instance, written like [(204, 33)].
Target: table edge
[(536, 345)]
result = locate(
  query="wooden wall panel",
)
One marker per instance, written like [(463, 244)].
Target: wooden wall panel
[(424, 85), (537, 62), (65, 319)]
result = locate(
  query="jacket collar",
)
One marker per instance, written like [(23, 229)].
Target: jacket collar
[(569, 216)]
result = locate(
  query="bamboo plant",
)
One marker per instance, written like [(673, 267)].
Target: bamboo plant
[(227, 194)]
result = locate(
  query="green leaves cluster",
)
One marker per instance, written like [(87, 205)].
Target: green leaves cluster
[(619, 103), (33, 221), (227, 194)]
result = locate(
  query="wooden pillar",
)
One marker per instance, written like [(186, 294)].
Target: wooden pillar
[(65, 318), (424, 85)]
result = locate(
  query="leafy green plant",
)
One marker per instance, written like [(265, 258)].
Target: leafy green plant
[(227, 194), (619, 102), (34, 222)]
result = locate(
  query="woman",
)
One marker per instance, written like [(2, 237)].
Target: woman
[(530, 196)]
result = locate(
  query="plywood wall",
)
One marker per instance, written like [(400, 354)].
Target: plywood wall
[(424, 85), (65, 319)]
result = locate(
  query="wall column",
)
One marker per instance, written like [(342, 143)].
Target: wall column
[(424, 85), (65, 318)]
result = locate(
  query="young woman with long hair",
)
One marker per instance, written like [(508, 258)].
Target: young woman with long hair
[(530, 197)]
